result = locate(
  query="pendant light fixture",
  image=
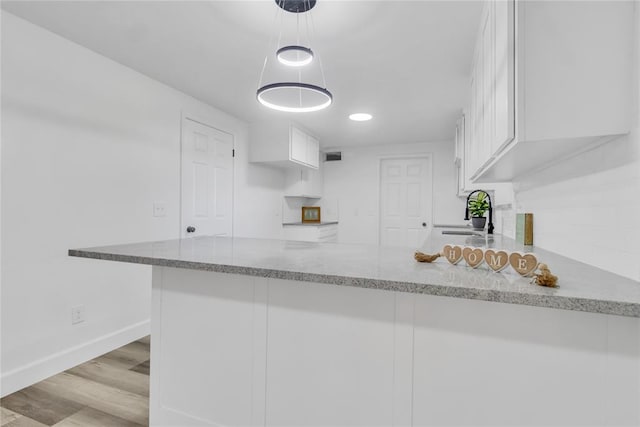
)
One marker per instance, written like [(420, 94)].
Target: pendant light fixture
[(295, 56), (293, 94)]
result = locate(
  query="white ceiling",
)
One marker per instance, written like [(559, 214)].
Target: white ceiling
[(405, 62)]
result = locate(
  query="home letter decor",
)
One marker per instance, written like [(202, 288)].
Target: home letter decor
[(453, 254), (473, 256), (524, 264), (496, 260)]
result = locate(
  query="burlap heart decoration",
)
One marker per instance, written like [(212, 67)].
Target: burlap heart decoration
[(453, 254), (473, 256), (524, 264), (497, 260)]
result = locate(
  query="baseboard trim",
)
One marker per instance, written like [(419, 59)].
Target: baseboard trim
[(38, 370)]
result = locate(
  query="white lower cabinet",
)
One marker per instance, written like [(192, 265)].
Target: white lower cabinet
[(327, 233), (240, 350)]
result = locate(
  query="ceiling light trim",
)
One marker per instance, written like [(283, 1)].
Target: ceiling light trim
[(308, 55), (296, 6), (294, 85)]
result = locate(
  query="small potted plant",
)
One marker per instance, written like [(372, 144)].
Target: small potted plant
[(478, 207)]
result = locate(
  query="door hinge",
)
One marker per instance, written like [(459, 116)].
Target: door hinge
[(233, 152)]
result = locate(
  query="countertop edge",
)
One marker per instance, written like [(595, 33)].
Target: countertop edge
[(619, 308)]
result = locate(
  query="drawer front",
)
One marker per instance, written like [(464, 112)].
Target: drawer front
[(306, 234), (327, 230), (328, 233)]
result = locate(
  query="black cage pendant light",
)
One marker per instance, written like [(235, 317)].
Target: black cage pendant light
[(294, 95)]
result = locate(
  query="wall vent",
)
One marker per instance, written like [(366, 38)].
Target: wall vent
[(333, 156)]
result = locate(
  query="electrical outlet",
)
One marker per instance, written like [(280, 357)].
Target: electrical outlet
[(77, 314), (159, 209)]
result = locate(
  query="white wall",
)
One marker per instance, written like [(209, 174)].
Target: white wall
[(87, 146), (351, 188), (588, 208)]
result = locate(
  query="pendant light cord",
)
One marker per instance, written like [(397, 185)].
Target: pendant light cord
[(309, 17), (272, 32)]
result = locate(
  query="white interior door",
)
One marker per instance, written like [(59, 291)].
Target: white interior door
[(405, 201), (207, 181)]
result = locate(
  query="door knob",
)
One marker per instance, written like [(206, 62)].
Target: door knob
[(424, 224), (191, 229)]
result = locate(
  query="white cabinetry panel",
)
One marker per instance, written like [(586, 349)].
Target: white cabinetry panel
[(284, 144), (248, 351), (330, 356), (504, 75), (298, 145), (207, 337), (313, 148), (304, 181), (550, 79), (312, 233), (502, 364)]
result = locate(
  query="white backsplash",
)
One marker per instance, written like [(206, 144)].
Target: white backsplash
[(586, 208), (292, 208)]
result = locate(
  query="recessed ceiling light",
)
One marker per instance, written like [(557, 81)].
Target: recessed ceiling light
[(360, 117)]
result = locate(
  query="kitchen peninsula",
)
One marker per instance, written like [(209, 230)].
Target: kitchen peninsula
[(269, 332)]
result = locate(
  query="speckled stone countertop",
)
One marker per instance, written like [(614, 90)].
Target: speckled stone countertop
[(581, 287)]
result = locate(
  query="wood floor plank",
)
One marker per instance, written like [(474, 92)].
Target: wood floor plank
[(111, 390), (145, 340), (120, 403), (130, 355), (25, 422), (90, 417), (43, 406), (142, 368), (6, 416), (104, 373)]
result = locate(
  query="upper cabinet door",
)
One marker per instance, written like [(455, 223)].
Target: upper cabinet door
[(282, 143), (487, 82), (504, 67), (298, 145), (313, 152)]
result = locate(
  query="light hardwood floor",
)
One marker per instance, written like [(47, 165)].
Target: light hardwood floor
[(110, 390)]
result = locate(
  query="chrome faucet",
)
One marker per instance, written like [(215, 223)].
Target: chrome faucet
[(466, 211)]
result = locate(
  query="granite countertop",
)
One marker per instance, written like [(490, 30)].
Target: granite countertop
[(581, 287), (310, 224)]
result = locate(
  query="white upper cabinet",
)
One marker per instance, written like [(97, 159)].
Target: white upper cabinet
[(550, 79), (460, 155), (283, 143), (504, 75), (313, 150), (304, 181), (298, 146)]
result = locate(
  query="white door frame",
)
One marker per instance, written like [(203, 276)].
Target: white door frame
[(185, 115), (429, 188)]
